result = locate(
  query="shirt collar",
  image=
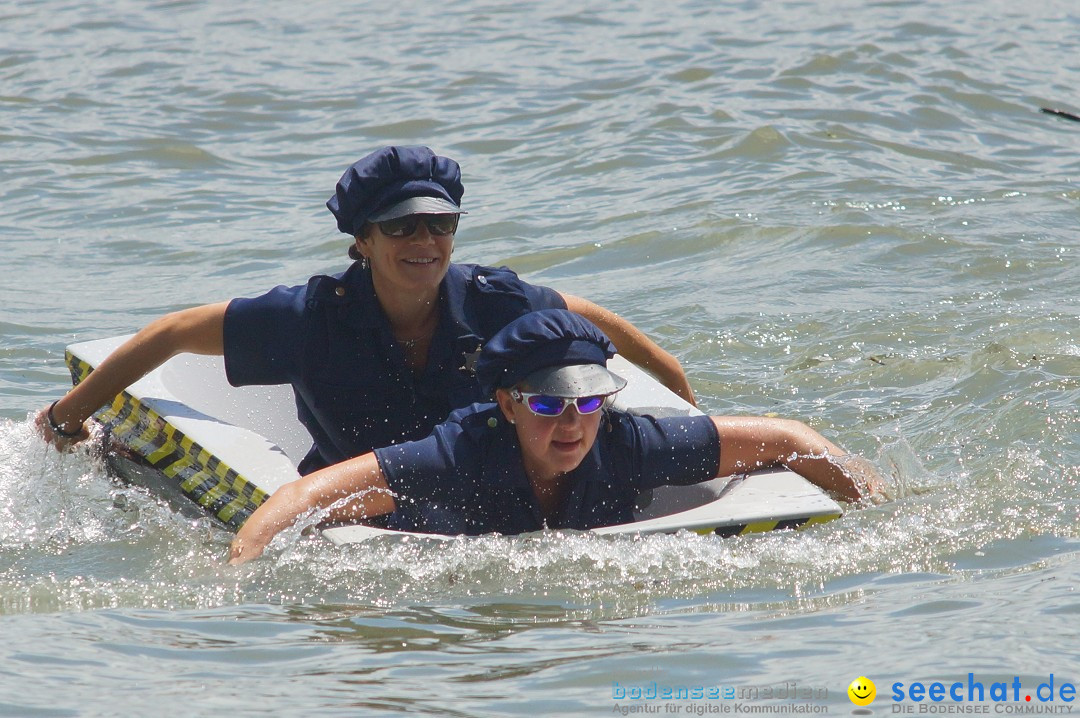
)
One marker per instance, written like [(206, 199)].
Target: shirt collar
[(452, 294), (509, 469), (356, 290), (506, 454), (510, 474)]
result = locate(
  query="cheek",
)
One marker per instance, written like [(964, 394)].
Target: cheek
[(446, 246), (532, 429), (592, 427)]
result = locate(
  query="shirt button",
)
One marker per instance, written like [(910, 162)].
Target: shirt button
[(493, 422), (340, 291)]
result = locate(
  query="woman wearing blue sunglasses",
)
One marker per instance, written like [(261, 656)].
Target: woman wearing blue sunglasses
[(377, 354), (547, 453)]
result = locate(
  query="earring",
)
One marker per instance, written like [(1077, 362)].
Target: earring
[(364, 264)]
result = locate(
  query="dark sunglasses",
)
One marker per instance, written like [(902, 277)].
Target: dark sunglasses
[(441, 224), (545, 405)]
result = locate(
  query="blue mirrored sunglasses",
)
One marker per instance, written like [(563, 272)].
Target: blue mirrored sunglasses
[(546, 405)]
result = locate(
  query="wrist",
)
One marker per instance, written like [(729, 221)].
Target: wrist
[(57, 427)]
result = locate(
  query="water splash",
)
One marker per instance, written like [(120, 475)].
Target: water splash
[(72, 538)]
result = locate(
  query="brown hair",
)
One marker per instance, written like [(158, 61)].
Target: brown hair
[(364, 233)]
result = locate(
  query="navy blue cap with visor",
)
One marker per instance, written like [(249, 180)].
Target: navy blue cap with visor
[(394, 182), (552, 351)]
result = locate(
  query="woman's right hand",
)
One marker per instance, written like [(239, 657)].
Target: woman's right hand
[(352, 490), (244, 549), (60, 442), (199, 330), (274, 515)]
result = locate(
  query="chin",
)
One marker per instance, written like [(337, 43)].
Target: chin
[(567, 464)]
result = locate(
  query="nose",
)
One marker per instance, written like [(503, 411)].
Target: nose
[(422, 235), (570, 415)]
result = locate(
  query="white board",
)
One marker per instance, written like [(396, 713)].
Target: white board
[(203, 442)]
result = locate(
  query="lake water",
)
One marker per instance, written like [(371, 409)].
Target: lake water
[(852, 213)]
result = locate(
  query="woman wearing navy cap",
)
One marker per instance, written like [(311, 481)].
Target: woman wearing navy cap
[(378, 354), (548, 453)]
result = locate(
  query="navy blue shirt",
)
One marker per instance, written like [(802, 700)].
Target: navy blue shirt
[(331, 340), (469, 476)]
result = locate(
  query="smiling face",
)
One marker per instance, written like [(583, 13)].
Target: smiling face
[(416, 263), (862, 691), (550, 445)]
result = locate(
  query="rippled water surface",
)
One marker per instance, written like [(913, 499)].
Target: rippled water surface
[(853, 213)]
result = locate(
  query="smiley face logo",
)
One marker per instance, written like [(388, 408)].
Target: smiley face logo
[(862, 691)]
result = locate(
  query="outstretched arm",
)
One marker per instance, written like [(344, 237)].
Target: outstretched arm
[(199, 330), (748, 443), (359, 482), (633, 344)]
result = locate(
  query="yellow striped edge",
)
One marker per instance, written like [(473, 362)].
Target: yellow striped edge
[(203, 477), (763, 526), (814, 520), (759, 527)]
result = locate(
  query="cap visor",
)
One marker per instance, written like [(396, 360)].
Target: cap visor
[(574, 381), (417, 205)]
